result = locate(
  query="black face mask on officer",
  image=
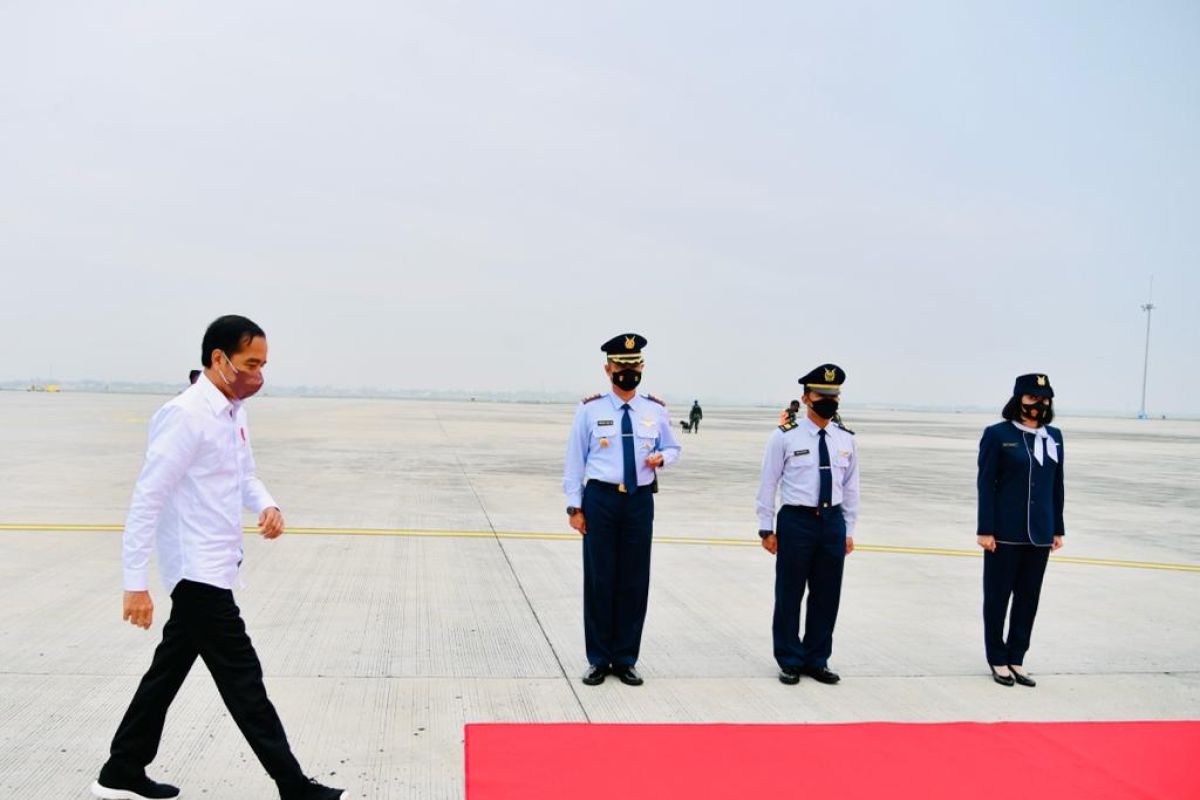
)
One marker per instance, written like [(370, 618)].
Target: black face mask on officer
[(626, 379), (826, 407), (1036, 411)]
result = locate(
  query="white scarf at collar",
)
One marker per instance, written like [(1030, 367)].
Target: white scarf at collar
[(1041, 441)]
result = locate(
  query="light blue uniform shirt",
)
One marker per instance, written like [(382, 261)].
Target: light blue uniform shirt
[(595, 451), (791, 464)]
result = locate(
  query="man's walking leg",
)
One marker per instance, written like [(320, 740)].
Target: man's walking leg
[(229, 655), (136, 742)]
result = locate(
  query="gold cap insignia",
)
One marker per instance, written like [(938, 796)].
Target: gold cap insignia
[(1041, 380), (630, 343), (830, 374)]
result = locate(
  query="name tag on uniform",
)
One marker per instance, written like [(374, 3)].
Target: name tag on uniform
[(1008, 444), (604, 422), (801, 452)]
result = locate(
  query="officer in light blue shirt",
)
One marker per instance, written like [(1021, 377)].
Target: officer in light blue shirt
[(619, 440), (812, 465)]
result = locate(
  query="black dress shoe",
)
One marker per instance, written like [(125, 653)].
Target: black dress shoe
[(1024, 680), (141, 788), (628, 675), (789, 675), (313, 791), (822, 674), (595, 674), (1003, 680)]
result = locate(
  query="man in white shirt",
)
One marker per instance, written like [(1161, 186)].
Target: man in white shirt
[(198, 475)]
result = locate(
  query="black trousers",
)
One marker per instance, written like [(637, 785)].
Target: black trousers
[(204, 622), (811, 555), (1012, 571), (616, 572), (695, 426)]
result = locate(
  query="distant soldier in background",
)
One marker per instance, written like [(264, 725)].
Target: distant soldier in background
[(695, 416), (788, 415)]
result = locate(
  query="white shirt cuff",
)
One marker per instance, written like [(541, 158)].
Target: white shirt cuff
[(135, 580)]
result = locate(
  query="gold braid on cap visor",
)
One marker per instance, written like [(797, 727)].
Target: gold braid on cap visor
[(632, 360)]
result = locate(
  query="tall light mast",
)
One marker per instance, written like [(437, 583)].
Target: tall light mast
[(1148, 307)]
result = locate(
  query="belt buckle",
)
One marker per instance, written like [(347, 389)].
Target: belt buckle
[(621, 488)]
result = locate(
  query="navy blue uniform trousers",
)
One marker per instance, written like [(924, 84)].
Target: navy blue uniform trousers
[(1012, 571), (616, 572), (205, 623), (811, 555)]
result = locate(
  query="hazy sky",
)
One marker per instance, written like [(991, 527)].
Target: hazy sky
[(937, 196)]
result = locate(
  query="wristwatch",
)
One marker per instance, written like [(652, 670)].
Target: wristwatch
[(573, 510), (764, 534)]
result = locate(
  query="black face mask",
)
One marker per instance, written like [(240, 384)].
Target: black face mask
[(1035, 411), (626, 379), (826, 408)]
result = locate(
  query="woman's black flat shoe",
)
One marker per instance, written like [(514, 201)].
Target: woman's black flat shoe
[(1003, 680), (1024, 680)]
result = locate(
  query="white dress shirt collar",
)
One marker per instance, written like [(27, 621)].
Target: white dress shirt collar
[(215, 398), (812, 428), (618, 402)]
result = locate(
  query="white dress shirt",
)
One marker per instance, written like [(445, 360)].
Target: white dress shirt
[(791, 464), (198, 475), (595, 450)]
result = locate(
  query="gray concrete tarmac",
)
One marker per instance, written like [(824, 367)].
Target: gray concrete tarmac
[(457, 597)]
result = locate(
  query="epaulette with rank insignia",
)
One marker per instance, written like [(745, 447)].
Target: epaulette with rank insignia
[(843, 427), (591, 398), (787, 426), (655, 399)]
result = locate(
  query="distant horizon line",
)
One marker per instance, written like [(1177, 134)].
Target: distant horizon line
[(162, 388)]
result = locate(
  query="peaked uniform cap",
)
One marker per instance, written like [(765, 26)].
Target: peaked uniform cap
[(625, 348), (1035, 383), (825, 379)]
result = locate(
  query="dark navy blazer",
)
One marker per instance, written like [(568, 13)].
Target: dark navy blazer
[(1020, 500)]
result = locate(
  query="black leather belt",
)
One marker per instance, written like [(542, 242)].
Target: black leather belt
[(816, 511), (620, 487)]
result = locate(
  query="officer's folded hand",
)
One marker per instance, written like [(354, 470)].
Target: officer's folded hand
[(987, 542), (654, 460), (578, 522), (138, 609), (270, 522), (849, 545), (770, 543)]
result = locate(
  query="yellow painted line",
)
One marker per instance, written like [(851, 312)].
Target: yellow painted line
[(715, 541)]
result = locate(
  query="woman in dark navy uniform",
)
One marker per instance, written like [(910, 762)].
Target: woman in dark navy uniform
[(1020, 520)]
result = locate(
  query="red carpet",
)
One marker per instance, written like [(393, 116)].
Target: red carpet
[(977, 761)]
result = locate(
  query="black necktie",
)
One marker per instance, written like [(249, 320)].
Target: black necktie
[(627, 446), (826, 474)]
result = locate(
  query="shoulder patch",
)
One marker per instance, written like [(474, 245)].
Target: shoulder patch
[(843, 427), (787, 426), (591, 398), (656, 400)]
